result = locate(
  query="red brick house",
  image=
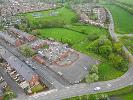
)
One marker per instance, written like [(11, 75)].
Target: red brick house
[(39, 59), (34, 80)]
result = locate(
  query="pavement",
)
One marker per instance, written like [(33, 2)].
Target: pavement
[(77, 70)]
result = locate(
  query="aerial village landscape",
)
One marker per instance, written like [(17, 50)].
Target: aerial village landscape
[(66, 50)]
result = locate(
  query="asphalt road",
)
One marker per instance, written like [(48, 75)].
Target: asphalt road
[(81, 89)]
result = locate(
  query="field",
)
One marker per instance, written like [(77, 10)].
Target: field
[(130, 2), (62, 14), (123, 20), (105, 72), (60, 33), (128, 96)]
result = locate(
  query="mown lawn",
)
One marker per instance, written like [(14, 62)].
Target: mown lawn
[(123, 20), (63, 14), (89, 29), (61, 33), (108, 72)]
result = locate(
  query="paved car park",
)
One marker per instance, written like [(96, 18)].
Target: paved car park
[(76, 71)]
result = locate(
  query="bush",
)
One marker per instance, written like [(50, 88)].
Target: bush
[(93, 69), (118, 62), (105, 50), (117, 47), (26, 51), (92, 37), (92, 78), (75, 19)]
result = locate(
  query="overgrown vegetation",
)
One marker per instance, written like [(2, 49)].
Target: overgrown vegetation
[(128, 42), (93, 74), (37, 88), (8, 94), (110, 50), (26, 51)]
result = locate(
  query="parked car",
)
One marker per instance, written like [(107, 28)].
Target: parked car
[(97, 88)]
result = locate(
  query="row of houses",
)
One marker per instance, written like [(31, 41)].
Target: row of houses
[(85, 10), (14, 7), (19, 71), (84, 18), (101, 13)]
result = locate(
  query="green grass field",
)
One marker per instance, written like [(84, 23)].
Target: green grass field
[(89, 29), (128, 96), (130, 2), (123, 20), (63, 14), (108, 72), (60, 33)]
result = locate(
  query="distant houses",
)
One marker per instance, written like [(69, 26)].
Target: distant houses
[(15, 7), (86, 10)]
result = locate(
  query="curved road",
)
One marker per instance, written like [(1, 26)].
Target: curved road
[(84, 88)]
